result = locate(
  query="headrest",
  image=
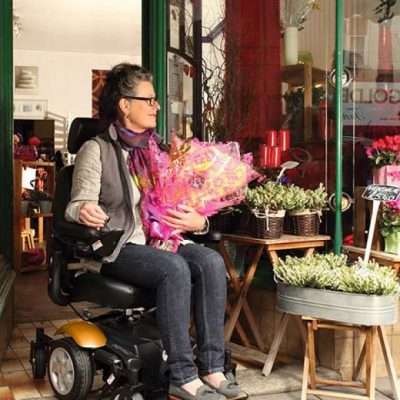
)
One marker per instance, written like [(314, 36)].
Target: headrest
[(83, 129)]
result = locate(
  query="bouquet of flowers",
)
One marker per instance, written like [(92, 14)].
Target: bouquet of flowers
[(385, 151), (205, 176), (390, 219)]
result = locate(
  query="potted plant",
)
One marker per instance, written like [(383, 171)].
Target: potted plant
[(43, 200), (324, 286), (267, 203), (385, 156), (305, 207), (390, 226)]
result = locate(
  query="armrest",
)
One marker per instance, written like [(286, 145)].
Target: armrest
[(77, 231), (101, 243)]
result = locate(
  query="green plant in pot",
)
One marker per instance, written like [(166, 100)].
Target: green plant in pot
[(317, 199), (267, 204), (305, 207), (296, 200), (42, 199), (390, 226)]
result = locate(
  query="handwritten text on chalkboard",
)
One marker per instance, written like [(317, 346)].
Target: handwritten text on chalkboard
[(381, 193)]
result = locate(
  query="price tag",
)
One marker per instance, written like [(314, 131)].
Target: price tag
[(381, 193)]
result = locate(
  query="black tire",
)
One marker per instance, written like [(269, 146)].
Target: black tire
[(79, 367), (38, 361)]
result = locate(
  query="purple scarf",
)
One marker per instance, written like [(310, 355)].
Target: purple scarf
[(140, 146)]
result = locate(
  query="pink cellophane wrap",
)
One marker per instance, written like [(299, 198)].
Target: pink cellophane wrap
[(205, 176)]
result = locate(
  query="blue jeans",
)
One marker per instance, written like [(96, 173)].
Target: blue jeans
[(196, 274)]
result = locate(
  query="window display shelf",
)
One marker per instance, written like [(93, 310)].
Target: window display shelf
[(31, 229), (306, 76), (295, 75)]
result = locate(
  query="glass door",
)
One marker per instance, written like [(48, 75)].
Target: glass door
[(371, 101), (308, 96), (183, 65)]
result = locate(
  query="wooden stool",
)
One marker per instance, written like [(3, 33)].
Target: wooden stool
[(368, 354), (28, 241)]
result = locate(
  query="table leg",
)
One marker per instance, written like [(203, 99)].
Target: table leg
[(311, 353), (273, 255), (240, 290), (389, 363), (306, 371), (309, 251), (360, 362), (242, 334), (269, 362), (40, 229), (371, 362), (302, 329)]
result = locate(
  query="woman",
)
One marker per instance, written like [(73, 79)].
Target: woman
[(101, 195)]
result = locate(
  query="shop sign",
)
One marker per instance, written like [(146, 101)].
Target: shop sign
[(372, 103), (381, 193)]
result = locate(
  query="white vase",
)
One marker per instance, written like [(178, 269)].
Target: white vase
[(291, 42)]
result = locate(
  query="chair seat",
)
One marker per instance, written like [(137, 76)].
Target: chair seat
[(108, 292)]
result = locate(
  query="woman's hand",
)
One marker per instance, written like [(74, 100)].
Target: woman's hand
[(186, 220), (92, 215)]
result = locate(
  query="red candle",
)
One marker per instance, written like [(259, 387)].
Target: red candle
[(264, 159), (275, 157), (285, 156), (284, 139), (271, 138)]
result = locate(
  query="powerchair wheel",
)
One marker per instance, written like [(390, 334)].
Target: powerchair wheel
[(70, 370), (38, 360)]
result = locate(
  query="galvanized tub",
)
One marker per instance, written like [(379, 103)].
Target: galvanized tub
[(352, 308)]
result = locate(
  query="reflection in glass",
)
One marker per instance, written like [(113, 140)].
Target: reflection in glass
[(174, 24), (189, 50), (180, 96), (214, 82)]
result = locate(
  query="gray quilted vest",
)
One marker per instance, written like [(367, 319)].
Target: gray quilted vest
[(116, 194)]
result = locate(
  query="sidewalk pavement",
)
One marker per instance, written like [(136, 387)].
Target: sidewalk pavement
[(284, 383)]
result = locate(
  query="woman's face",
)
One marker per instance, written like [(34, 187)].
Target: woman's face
[(140, 114)]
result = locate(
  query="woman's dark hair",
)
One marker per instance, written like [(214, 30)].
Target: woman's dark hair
[(121, 81)]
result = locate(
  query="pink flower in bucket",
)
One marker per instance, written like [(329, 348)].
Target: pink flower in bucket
[(390, 219)]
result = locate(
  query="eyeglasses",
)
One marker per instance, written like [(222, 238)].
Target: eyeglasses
[(151, 101)]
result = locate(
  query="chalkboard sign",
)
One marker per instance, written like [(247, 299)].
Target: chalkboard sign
[(381, 193)]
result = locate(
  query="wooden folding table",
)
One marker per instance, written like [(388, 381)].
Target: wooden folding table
[(241, 286)]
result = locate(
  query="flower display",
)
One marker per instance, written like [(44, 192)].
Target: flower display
[(332, 272), (385, 151), (205, 176), (390, 218)]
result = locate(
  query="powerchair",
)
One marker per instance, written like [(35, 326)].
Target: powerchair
[(122, 345)]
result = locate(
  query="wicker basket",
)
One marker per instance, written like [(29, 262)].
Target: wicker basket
[(221, 222), (269, 227), (306, 224)]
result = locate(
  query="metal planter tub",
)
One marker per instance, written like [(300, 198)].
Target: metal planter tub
[(352, 308)]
